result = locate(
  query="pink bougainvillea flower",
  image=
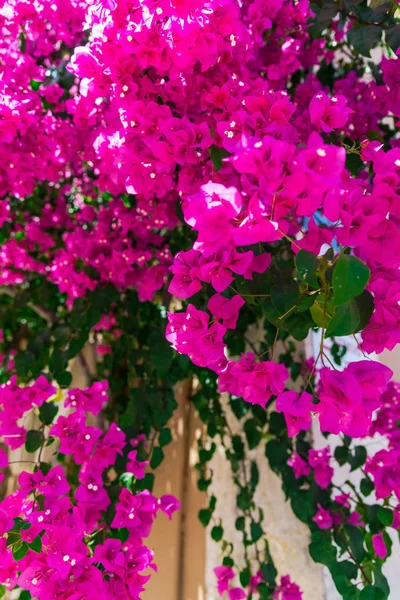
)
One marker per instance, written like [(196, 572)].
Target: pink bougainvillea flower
[(297, 411), (379, 545), (226, 310), (329, 113), (323, 518), (287, 590), (224, 575), (299, 465), (319, 460), (169, 504)]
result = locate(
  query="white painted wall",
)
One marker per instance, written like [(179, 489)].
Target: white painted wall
[(392, 360), (288, 537)]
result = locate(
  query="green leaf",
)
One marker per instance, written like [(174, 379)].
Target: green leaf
[(352, 317), (306, 302), (254, 475), (161, 353), (380, 581), (242, 499), (147, 483), (256, 531), (216, 155), (352, 593), (345, 320), (126, 480), (365, 306), (323, 19), (386, 516), (307, 265), (358, 457), (21, 524), (240, 524), (216, 533), (47, 412), (270, 313), (35, 85), (276, 454), (356, 541), (34, 440), (366, 486), (260, 413), (371, 592), (204, 516), (203, 484), (238, 446), (340, 580), (23, 363), (157, 457), (36, 544), (165, 437), (58, 361), (76, 345), (3, 590), (253, 433), (20, 551), (212, 503), (347, 567), (244, 578), (322, 311), (285, 297), (338, 353), (321, 548), (263, 592), (63, 378), (380, 10), (269, 572), (298, 325), (375, 524), (392, 37), (301, 505), (61, 335), (350, 276), (341, 454), (364, 37), (277, 423)]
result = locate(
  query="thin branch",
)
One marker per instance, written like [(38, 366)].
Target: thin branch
[(274, 344), (252, 346), (291, 240), (37, 309), (366, 577)]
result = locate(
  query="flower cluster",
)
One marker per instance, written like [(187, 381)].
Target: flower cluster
[(58, 538), (384, 466), (318, 463), (37, 142), (286, 589)]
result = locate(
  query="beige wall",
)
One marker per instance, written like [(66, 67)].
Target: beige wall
[(179, 544)]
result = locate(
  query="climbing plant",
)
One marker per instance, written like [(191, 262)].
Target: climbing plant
[(175, 175)]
